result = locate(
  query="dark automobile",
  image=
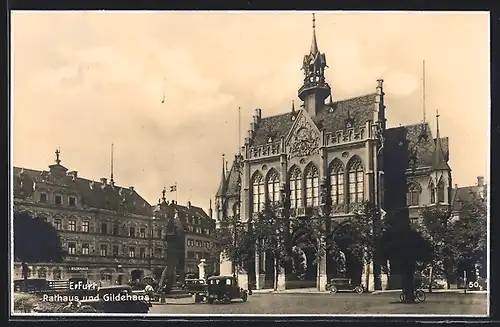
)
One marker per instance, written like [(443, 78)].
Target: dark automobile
[(118, 299), (224, 289), (343, 285), (197, 288)]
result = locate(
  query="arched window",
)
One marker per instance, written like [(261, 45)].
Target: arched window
[(413, 195), (312, 186), (337, 182), (273, 186), (295, 188), (56, 274), (42, 272), (440, 192), (433, 193), (356, 181), (258, 193)]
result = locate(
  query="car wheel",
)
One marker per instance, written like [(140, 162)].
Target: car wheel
[(359, 290), (244, 297), (333, 290)]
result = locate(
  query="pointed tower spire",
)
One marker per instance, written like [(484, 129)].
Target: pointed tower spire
[(293, 106), (223, 168), (112, 180), (314, 43), (315, 90), (439, 160)]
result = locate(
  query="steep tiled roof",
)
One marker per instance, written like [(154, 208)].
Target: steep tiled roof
[(94, 194), (185, 212), (230, 186), (417, 138), (275, 126), (332, 117), (465, 194)]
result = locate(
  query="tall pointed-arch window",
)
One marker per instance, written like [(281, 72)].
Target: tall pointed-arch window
[(273, 186), (433, 192), (295, 188), (312, 186), (440, 192), (356, 181), (413, 195), (337, 182), (257, 193)]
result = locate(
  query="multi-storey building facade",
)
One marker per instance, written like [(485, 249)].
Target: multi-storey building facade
[(332, 155), (110, 233)]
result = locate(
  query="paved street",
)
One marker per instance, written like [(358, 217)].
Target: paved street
[(386, 303)]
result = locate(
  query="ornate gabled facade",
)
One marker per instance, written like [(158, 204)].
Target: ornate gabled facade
[(332, 155), (110, 233)]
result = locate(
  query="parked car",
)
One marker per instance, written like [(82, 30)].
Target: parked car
[(343, 285), (196, 288), (224, 289), (118, 299)]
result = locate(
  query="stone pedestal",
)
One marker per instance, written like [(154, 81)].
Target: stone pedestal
[(384, 281), (201, 269), (260, 280), (368, 271), (281, 281), (226, 266), (321, 277), (243, 280)]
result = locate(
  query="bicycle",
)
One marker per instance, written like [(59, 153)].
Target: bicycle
[(418, 294)]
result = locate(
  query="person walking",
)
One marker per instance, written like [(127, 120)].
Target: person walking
[(149, 291)]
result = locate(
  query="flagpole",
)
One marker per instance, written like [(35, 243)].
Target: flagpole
[(176, 192)]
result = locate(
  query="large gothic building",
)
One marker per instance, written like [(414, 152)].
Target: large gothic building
[(335, 152)]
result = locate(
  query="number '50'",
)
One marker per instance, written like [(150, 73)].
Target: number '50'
[(473, 284)]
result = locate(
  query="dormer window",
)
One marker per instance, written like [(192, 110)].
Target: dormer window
[(72, 201), (58, 199), (270, 140)]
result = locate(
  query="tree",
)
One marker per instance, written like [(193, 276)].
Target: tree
[(235, 241), (365, 230), (35, 240), (469, 235), (436, 228), (404, 246), (270, 232)]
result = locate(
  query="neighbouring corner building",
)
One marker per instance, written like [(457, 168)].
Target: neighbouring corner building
[(110, 233), (341, 148)]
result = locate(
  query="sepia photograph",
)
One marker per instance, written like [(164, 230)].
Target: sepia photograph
[(249, 163)]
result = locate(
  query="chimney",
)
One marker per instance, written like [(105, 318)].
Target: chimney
[(480, 181), (104, 181), (131, 188), (258, 113), (456, 186), (189, 205), (253, 125)]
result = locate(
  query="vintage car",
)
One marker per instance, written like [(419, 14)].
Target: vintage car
[(197, 288), (118, 299), (224, 289), (343, 285)]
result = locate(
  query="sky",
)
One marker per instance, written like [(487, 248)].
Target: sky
[(84, 80)]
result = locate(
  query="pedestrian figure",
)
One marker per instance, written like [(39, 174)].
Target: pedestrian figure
[(149, 291)]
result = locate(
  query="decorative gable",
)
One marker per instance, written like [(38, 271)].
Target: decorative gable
[(304, 138)]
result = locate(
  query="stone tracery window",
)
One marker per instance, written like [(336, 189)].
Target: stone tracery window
[(258, 197), (356, 181), (440, 192), (413, 194), (273, 186), (433, 192), (312, 186), (295, 188), (337, 182)]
